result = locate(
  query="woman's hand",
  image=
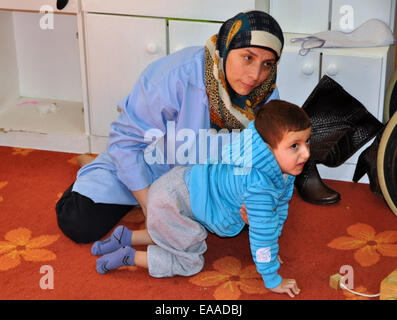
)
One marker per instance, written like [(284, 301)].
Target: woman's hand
[(287, 286), (243, 211)]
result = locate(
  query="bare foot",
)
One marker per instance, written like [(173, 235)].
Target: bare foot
[(84, 159)]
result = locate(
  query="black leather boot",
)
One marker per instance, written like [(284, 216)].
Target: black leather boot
[(341, 125), (367, 164), (312, 189), (61, 4)]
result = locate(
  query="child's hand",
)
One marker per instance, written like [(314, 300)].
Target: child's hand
[(243, 215), (279, 259), (288, 286)]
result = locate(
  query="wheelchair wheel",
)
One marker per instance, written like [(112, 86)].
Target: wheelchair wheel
[(387, 163), (390, 98)]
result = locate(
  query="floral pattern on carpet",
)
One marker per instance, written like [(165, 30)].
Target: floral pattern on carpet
[(369, 246), (230, 279), (20, 244)]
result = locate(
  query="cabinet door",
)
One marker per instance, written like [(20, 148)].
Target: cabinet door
[(216, 10), (118, 49), (37, 5), (183, 34), (361, 77), (301, 16), (297, 75), (348, 15)]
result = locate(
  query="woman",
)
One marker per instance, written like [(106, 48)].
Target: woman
[(219, 86)]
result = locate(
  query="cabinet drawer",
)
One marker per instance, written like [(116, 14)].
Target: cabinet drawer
[(360, 76), (217, 10), (297, 76), (301, 16), (35, 5), (183, 34)]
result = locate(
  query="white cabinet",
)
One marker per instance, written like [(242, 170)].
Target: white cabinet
[(212, 10), (301, 16), (360, 75), (36, 5), (118, 49), (363, 72), (363, 75), (41, 87), (183, 34), (297, 75), (312, 16), (348, 15)]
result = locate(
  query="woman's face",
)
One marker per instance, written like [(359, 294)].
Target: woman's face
[(247, 68)]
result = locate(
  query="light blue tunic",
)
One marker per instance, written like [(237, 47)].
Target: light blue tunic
[(170, 94)]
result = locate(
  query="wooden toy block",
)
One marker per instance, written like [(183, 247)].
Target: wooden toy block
[(388, 287), (334, 281)]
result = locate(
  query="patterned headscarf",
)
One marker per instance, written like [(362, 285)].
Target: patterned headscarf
[(247, 29)]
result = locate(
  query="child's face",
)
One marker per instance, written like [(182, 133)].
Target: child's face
[(293, 151)]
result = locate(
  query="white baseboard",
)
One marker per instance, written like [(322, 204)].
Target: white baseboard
[(42, 141)]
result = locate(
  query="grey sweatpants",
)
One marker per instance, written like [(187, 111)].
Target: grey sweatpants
[(179, 238)]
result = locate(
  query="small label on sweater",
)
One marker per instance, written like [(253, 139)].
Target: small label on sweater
[(263, 255)]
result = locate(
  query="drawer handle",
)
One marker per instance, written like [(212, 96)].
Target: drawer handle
[(151, 48), (332, 69), (307, 69)]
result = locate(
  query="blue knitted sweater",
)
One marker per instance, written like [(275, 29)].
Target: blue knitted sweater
[(248, 174)]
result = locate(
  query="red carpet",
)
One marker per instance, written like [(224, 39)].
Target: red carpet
[(360, 232)]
